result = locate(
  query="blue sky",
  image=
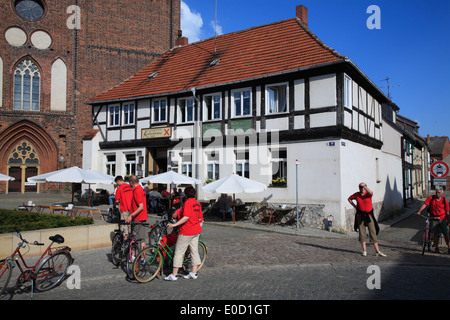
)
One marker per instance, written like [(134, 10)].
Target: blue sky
[(411, 48)]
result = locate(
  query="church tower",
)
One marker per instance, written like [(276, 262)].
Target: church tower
[(54, 56)]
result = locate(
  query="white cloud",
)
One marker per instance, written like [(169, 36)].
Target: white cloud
[(219, 30), (191, 23)]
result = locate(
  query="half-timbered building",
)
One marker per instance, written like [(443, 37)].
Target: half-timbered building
[(258, 103)]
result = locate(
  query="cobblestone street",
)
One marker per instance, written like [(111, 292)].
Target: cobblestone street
[(261, 263)]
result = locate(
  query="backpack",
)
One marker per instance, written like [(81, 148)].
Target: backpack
[(431, 202), (113, 215)]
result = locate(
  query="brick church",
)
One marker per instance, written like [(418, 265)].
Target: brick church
[(56, 55)]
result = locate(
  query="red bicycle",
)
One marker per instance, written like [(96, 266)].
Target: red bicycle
[(48, 272)]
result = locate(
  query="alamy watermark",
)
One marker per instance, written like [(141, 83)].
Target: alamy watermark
[(374, 20), (74, 20), (374, 280), (74, 279)]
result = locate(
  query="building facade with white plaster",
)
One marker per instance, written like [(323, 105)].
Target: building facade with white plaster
[(254, 102)]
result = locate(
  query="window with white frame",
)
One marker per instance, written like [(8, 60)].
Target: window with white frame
[(279, 167), (128, 114), (114, 116), (212, 107), (242, 164), (241, 103), (27, 83), (212, 167), (186, 164), (159, 110), (110, 164), (277, 98), (130, 164), (348, 92), (185, 110)]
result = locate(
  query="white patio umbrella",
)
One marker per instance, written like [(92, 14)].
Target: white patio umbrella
[(234, 184), (73, 175), (170, 177), (4, 177)]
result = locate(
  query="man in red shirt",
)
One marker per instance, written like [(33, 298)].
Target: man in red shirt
[(138, 211), (439, 209), (124, 194), (364, 217)]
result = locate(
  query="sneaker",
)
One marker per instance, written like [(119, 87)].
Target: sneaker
[(380, 254), (191, 276), (171, 277), (364, 253)]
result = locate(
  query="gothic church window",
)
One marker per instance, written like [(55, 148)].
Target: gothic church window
[(23, 154), (27, 82)]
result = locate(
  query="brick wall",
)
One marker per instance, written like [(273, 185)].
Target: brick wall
[(116, 39)]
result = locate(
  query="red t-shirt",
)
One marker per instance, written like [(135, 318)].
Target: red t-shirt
[(438, 207), (193, 210), (124, 194), (363, 202), (139, 197)]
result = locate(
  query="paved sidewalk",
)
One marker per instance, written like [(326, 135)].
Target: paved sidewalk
[(14, 200)]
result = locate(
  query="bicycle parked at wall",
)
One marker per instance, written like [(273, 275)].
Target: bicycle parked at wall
[(48, 272), (123, 250), (426, 237), (150, 261)]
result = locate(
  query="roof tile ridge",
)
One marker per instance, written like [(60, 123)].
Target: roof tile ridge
[(320, 42)]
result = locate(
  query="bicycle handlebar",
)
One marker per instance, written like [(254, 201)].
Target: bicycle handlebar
[(428, 217), (122, 222)]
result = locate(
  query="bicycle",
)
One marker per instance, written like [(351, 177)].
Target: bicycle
[(426, 239), (122, 250), (48, 272), (150, 261)]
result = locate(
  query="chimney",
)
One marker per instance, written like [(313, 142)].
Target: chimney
[(428, 138), (302, 13), (181, 41)]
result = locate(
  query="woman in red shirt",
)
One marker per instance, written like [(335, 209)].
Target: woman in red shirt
[(190, 222), (364, 217)]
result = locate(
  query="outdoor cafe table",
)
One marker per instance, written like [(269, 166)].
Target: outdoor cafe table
[(280, 212), (30, 208)]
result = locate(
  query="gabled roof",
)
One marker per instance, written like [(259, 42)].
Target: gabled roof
[(437, 145), (279, 47)]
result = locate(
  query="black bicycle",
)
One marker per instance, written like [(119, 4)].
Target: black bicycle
[(426, 237), (123, 250)]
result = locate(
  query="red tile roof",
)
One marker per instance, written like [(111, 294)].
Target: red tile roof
[(256, 52)]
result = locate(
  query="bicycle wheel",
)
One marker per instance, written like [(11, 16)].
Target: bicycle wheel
[(426, 240), (5, 275), (147, 264), (51, 271), (132, 251), (187, 258), (116, 249)]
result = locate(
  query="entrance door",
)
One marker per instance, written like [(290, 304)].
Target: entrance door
[(30, 172), (15, 185), (24, 163)]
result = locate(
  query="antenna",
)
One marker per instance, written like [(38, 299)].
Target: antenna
[(215, 30), (389, 86)]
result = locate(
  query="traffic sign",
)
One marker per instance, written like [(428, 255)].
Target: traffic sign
[(439, 169)]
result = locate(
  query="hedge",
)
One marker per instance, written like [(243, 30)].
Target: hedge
[(10, 220)]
